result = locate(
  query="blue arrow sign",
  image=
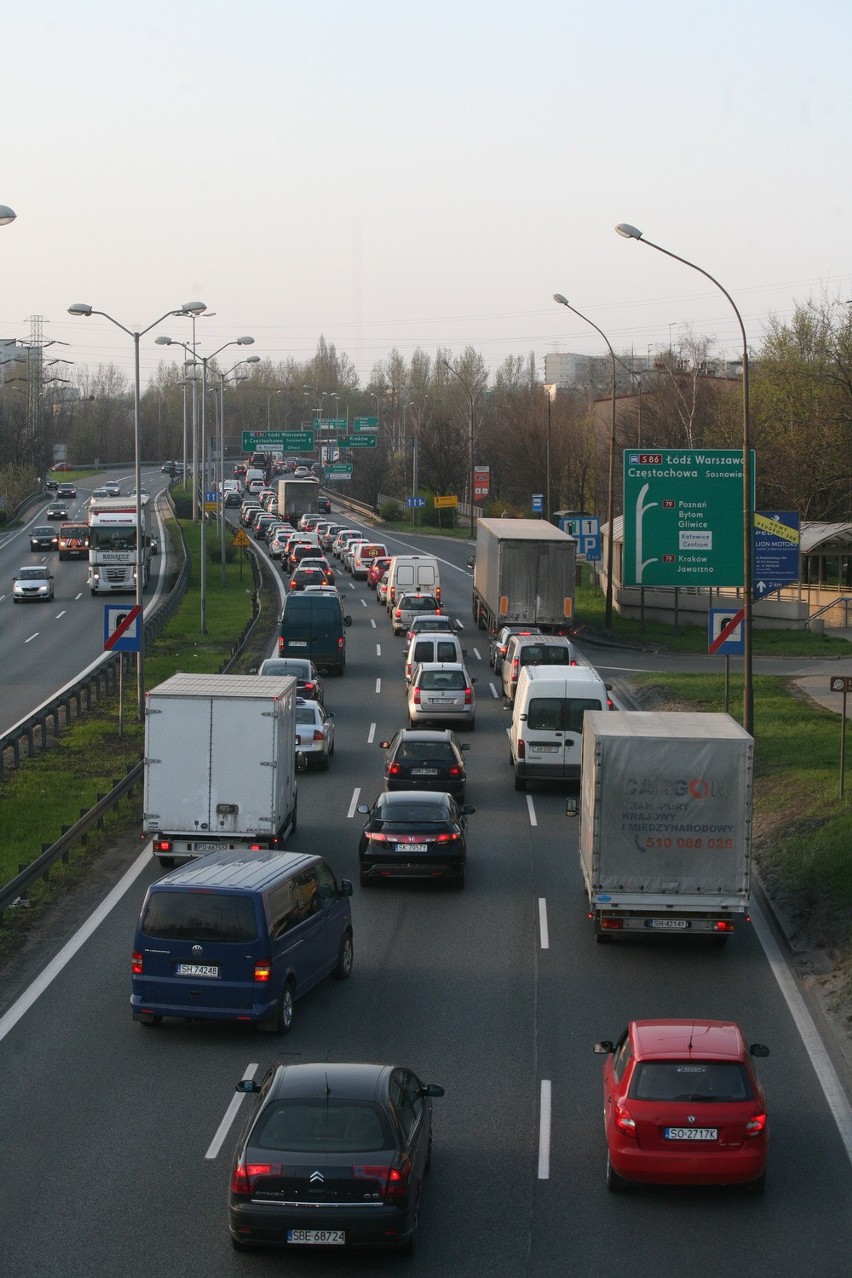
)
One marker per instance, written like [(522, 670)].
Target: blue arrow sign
[(416, 503)]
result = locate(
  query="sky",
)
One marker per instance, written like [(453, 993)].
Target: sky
[(401, 174)]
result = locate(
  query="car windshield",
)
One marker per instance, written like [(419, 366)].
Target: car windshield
[(32, 574), (690, 1081), (326, 1124), (284, 668)]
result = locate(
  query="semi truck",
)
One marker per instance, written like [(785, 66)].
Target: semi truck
[(112, 543), (665, 822), (523, 572), (219, 764), (297, 497)]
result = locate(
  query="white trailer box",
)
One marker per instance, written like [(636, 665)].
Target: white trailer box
[(665, 821), (220, 764), (523, 573)]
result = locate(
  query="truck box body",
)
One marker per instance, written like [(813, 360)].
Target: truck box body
[(524, 572), (297, 497), (220, 763), (665, 820)]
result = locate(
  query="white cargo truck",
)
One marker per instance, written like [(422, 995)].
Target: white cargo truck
[(665, 822), (220, 764), (523, 573), (297, 497)]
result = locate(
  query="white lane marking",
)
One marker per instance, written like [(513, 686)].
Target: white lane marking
[(544, 1131), (60, 614), (80, 596), (35, 636), (826, 1076), (531, 810), (371, 735), (476, 653), (77, 941), (356, 794), (363, 603), (230, 1114), (373, 622), (544, 935), (378, 649), (378, 685), (494, 692)]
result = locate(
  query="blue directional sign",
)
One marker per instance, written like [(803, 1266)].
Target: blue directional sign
[(415, 503), (776, 550), (538, 503), (586, 530)]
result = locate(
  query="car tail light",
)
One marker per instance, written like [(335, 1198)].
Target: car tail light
[(455, 770), (376, 838), (468, 696), (515, 670), (340, 642), (447, 838), (394, 1179), (162, 845), (723, 925), (397, 612), (280, 646), (394, 770), (417, 696), (756, 1125), (438, 595), (623, 1120), (612, 925), (245, 1175), (136, 963), (610, 704), (310, 687), (573, 662), (522, 748), (262, 971), (318, 736), (293, 583)]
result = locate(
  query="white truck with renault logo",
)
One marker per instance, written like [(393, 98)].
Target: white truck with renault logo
[(112, 544), (665, 822)]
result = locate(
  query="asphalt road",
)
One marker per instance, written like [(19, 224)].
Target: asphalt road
[(108, 1127)]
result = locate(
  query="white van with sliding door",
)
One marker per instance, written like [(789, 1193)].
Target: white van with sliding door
[(413, 575), (546, 737)]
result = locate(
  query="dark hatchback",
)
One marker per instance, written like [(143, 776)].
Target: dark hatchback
[(414, 834), (302, 577), (419, 759), (57, 511), (333, 1156), (44, 538)]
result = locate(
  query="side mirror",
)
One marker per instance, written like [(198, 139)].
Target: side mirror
[(467, 810), (572, 805), (346, 887), (385, 745), (253, 670), (363, 808), (474, 681), (247, 1085), (347, 620), (758, 1049), (603, 1048), (465, 745), (432, 1089), (464, 652)]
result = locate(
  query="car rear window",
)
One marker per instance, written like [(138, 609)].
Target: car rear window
[(433, 680), (394, 813), (425, 751), (543, 654), (690, 1080), (559, 714), (445, 651), (323, 1125), (200, 916)]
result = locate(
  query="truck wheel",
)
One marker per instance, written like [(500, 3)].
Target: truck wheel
[(520, 783), (166, 862), (345, 958), (481, 620)]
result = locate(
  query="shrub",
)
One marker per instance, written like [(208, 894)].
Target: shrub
[(390, 512)]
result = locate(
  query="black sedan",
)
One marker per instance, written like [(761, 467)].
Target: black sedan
[(66, 490), (310, 684), (414, 834), (44, 538), (58, 510), (419, 759), (301, 577), (333, 1156)]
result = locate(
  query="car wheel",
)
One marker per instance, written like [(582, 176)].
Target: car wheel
[(282, 1021), (458, 881), (757, 1187), (520, 783), (365, 879), (615, 1184), (241, 1246), (409, 1248), (345, 958), (323, 764)]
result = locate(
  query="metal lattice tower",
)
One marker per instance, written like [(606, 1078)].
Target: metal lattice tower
[(35, 387)]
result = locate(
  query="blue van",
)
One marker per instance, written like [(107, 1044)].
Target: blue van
[(314, 625), (239, 936)]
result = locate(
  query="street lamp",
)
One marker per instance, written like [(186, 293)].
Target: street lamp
[(204, 361), (471, 401), (632, 233), (7, 215), (563, 301), (188, 308), (255, 359), (250, 359)]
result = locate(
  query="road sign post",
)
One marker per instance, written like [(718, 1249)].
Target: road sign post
[(842, 684)]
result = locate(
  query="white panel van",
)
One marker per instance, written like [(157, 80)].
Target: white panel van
[(413, 575), (546, 737)]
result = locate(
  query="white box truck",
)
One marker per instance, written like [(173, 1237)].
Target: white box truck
[(665, 822), (523, 572), (297, 497), (220, 764)]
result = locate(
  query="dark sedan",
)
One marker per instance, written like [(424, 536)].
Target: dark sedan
[(333, 1156), (66, 490), (58, 510), (420, 759), (44, 538), (302, 577), (414, 834), (309, 682)]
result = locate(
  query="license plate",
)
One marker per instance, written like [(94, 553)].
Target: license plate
[(544, 749), (206, 847), (691, 1133), (412, 847), (298, 643), (196, 969), (319, 1237), (441, 701), (424, 772), (668, 925)]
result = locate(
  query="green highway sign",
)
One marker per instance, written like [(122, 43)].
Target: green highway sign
[(330, 423), (683, 517), (338, 470), (357, 441), (365, 423), (287, 441)]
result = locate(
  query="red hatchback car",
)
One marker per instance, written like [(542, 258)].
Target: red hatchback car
[(683, 1106), (376, 571)]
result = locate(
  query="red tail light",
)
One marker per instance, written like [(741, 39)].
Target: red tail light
[(262, 971), (293, 583), (756, 1125), (573, 663), (280, 646), (448, 838), (341, 642), (377, 838), (723, 925), (515, 670), (136, 963), (468, 696), (522, 748), (417, 696), (397, 612), (612, 925), (438, 594), (623, 1120), (395, 1179), (245, 1175), (455, 770), (394, 770), (318, 736), (162, 845), (310, 687)]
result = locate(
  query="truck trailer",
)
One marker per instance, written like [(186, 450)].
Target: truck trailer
[(220, 764), (523, 573), (665, 822), (297, 497)]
